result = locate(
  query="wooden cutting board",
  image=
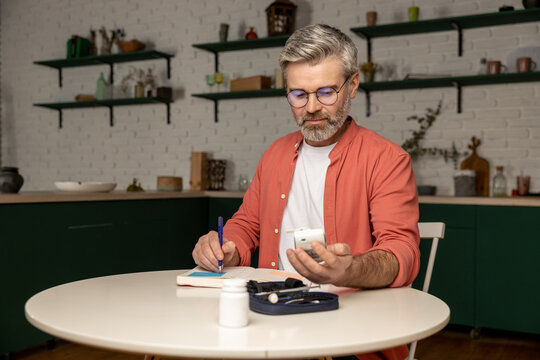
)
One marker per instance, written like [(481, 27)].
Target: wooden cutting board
[(480, 166)]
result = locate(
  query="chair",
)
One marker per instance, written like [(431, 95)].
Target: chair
[(434, 231)]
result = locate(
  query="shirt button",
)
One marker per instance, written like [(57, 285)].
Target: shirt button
[(276, 230), (273, 263), (283, 196)]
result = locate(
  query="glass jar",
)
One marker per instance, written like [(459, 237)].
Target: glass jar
[(465, 183), (499, 183)]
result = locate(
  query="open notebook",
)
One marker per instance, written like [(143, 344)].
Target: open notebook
[(203, 278)]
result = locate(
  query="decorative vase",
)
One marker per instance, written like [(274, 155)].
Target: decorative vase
[(10, 180), (251, 34)]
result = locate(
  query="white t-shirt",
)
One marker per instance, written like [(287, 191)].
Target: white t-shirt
[(305, 204)]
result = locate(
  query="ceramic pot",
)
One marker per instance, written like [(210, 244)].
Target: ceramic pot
[(251, 34), (10, 180), (528, 4)]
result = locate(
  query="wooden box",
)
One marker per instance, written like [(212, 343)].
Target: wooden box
[(199, 171), (251, 83)]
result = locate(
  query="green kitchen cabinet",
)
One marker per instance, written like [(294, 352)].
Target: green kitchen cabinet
[(508, 266), (454, 270), (47, 244)]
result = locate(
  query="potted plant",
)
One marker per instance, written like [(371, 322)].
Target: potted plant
[(413, 145), (369, 69)]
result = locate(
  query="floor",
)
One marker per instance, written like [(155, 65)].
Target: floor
[(451, 343)]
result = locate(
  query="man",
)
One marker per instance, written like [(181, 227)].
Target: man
[(333, 174)]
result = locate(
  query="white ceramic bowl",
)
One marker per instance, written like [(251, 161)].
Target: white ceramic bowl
[(84, 186)]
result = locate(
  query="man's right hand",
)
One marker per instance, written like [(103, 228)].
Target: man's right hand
[(207, 252)]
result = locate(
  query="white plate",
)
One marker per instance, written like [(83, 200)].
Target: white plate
[(84, 186)]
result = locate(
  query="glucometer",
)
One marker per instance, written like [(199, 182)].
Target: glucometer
[(303, 239)]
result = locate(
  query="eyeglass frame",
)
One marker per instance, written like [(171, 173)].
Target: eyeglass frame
[(317, 96)]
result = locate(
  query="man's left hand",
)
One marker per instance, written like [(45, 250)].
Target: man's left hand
[(337, 259)]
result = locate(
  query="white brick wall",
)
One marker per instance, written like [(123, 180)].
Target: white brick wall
[(142, 145)]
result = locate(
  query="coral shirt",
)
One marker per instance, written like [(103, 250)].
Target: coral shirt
[(370, 201)]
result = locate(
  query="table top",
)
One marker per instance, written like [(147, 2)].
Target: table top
[(148, 313)]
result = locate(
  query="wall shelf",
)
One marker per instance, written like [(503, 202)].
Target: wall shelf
[(216, 48), (59, 64), (260, 43), (215, 97), (456, 81), (60, 106), (458, 23)]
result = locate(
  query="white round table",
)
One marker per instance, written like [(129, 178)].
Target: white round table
[(148, 313)]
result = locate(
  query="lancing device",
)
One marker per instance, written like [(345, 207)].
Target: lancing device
[(220, 235)]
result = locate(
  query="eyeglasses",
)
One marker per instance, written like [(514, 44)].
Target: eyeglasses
[(325, 95)]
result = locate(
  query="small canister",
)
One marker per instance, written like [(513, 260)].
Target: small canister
[(234, 303), (465, 183)]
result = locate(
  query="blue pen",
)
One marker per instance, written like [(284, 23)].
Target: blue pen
[(220, 235)]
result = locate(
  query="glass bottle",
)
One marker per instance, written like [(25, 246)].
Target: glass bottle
[(101, 88), (483, 67), (499, 183)]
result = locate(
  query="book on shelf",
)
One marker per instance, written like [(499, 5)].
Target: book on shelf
[(200, 277), (425, 76)]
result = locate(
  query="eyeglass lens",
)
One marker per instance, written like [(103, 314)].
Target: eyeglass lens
[(326, 96)]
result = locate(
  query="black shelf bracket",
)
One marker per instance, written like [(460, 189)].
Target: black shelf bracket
[(168, 59), (215, 110), (168, 113), (111, 116), (111, 73), (60, 77), (216, 62), (368, 44), (60, 118), (459, 29), (366, 37), (457, 85), (368, 102)]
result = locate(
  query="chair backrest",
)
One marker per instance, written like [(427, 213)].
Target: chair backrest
[(434, 231)]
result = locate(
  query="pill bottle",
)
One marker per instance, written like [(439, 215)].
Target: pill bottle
[(234, 303)]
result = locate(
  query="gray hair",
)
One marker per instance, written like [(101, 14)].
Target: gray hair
[(316, 43)]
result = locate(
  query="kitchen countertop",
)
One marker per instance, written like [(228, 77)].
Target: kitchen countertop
[(57, 196)]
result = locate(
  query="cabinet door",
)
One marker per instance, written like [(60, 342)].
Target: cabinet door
[(453, 273), (44, 245), (508, 291), (26, 252), (226, 207)]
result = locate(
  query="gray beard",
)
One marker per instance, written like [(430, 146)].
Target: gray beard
[(333, 123)]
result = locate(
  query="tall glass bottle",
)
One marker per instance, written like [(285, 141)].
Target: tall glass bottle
[(101, 88), (499, 183)]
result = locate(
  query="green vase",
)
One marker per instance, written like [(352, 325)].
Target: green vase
[(101, 88)]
